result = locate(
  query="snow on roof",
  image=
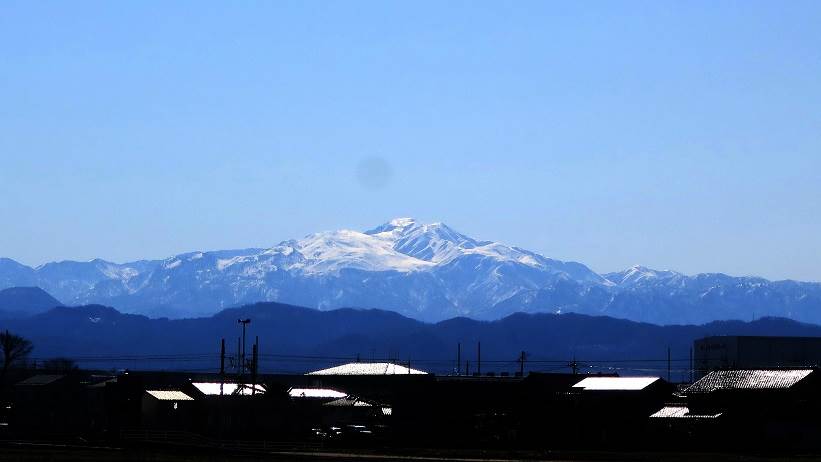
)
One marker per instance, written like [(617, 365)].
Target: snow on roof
[(681, 412), (756, 379), (348, 402), (213, 388), (367, 369), (616, 383), (315, 393), (169, 395)]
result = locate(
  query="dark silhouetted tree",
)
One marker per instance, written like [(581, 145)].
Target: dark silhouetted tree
[(15, 349)]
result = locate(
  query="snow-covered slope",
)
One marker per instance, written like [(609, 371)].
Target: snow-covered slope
[(433, 243), (426, 271), (641, 276)]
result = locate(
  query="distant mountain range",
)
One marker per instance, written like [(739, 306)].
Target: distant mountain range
[(427, 272), (296, 339)]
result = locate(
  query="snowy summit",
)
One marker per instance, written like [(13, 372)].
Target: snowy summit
[(426, 271)]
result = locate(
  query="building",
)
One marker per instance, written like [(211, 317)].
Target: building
[(368, 369), (745, 408), (228, 388), (615, 409), (49, 403), (323, 394), (620, 384), (754, 352), (167, 410)]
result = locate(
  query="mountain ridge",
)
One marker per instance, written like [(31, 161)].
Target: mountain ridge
[(299, 339), (425, 271)]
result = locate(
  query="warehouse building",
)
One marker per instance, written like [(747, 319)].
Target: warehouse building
[(761, 408), (754, 352)]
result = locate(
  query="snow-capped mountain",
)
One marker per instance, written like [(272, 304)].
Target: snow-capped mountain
[(426, 271), (69, 280)]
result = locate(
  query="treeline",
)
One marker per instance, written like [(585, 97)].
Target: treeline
[(16, 351)]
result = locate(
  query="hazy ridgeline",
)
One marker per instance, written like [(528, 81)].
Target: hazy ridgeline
[(296, 340)]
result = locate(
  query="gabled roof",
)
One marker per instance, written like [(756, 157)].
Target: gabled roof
[(681, 412), (616, 383), (368, 369), (40, 379), (754, 379), (169, 395), (217, 388), (348, 401), (315, 393), (103, 383)]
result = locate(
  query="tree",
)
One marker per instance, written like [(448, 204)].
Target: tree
[(15, 349)]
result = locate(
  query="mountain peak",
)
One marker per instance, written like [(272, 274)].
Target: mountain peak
[(434, 242), (638, 274), (402, 222), (331, 251), (397, 225), (425, 270), (26, 301)]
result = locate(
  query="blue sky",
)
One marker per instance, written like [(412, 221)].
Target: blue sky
[(681, 135)]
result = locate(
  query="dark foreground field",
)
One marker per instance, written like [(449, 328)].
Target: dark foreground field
[(11, 451)]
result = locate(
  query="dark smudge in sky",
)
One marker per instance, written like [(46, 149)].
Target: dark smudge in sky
[(374, 173)]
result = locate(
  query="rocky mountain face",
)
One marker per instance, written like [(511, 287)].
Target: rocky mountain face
[(428, 272)]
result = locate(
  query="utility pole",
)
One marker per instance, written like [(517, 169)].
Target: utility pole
[(668, 364), (479, 359), (222, 364), (467, 368), (574, 366), (691, 364), (244, 323), (222, 357), (254, 365), (458, 358), (522, 365)]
